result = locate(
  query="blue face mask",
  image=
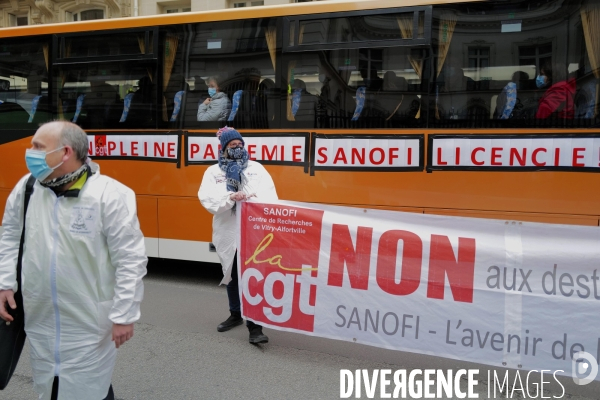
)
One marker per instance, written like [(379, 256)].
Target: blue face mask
[(236, 153), (212, 92), (37, 165), (540, 81)]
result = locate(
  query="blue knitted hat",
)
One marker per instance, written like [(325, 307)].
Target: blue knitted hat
[(227, 134)]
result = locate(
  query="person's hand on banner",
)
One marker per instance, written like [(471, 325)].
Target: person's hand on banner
[(239, 196)]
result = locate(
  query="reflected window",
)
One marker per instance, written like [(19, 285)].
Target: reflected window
[(479, 57), (537, 55)]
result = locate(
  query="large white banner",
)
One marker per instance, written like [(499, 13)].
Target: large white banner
[(504, 293)]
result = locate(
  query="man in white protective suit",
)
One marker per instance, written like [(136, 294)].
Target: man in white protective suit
[(83, 263)]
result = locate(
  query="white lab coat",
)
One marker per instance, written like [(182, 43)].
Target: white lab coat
[(214, 196), (83, 263)]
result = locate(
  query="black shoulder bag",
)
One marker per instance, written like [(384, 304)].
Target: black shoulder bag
[(12, 334)]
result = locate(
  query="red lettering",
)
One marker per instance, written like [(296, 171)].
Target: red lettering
[(534, 157), (457, 159), (251, 150), (577, 156), (323, 155), (269, 156), (340, 155), (296, 152), (90, 148), (209, 152), (357, 260), (159, 148), (194, 148), (473, 153), (121, 149), (409, 156), (439, 157), (145, 148), (514, 154), (393, 154), (171, 150), (460, 273), (556, 156), (134, 149), (359, 156), (496, 156), (412, 255), (111, 146), (282, 153), (381, 153)]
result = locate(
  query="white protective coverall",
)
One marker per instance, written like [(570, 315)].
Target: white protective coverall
[(83, 263), (214, 196)]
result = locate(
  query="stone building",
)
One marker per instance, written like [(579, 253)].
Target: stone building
[(33, 12)]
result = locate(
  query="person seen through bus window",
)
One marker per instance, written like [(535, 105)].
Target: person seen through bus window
[(217, 106), (235, 178), (507, 99), (559, 97)]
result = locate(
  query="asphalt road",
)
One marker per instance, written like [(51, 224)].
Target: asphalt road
[(177, 353)]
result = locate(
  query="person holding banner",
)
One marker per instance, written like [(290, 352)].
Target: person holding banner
[(235, 178)]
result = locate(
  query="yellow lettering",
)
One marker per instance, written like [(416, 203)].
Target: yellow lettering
[(275, 260)]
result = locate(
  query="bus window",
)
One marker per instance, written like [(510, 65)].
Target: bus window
[(365, 71), (24, 82), (498, 65), (106, 45), (107, 95), (353, 88), (234, 61)]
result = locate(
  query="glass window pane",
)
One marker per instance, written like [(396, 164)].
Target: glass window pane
[(527, 51), (92, 14), (499, 89), (236, 59), (357, 29), (352, 88), (545, 49), (114, 95), (106, 44), (24, 82)]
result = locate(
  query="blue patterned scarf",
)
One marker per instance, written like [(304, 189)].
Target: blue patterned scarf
[(233, 166)]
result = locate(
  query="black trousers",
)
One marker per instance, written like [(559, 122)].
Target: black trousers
[(110, 396)]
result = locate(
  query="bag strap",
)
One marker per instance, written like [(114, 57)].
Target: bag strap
[(28, 192)]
